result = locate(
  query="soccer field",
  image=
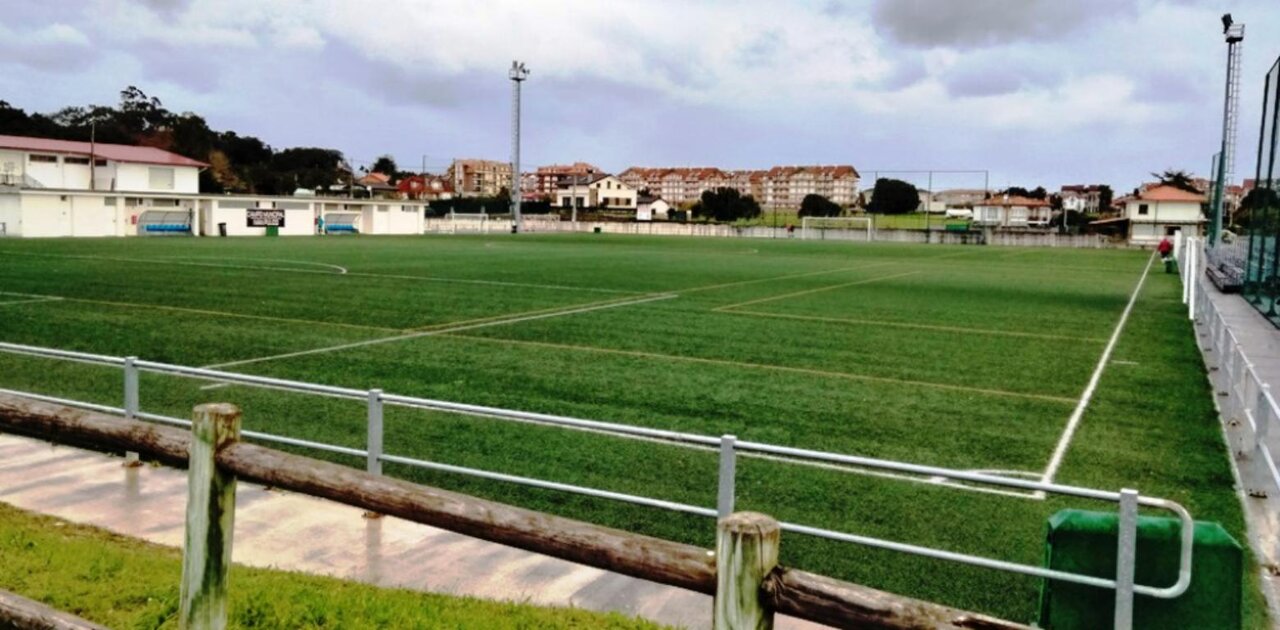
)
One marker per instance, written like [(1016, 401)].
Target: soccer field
[(966, 357)]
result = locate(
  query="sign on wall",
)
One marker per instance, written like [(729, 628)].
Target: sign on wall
[(265, 217)]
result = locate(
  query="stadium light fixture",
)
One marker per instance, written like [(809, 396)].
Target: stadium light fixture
[(518, 74)]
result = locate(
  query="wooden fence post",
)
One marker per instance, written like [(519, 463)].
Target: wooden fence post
[(746, 553), (211, 508)]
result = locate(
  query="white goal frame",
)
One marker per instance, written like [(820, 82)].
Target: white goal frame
[(816, 227)]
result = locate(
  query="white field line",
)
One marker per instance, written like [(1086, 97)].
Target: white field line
[(165, 261), (32, 301), (451, 329), (843, 468), (1060, 451), (774, 298), (337, 268)]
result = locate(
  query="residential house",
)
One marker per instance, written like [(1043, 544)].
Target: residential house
[(1162, 210), (595, 191), (1012, 211), (1084, 198), (427, 187), (548, 178), (650, 208)]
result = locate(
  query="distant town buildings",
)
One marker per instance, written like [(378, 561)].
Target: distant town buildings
[(479, 178), (547, 178), (1084, 198), (778, 187), (1012, 211)]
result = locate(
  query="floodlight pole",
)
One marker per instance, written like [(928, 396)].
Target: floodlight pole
[(1233, 34), (517, 74)]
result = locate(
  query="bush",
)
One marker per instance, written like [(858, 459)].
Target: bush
[(893, 196), (815, 205)]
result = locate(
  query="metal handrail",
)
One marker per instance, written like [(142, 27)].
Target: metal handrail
[(728, 446)]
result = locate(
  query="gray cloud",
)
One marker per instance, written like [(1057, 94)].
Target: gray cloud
[(978, 23)]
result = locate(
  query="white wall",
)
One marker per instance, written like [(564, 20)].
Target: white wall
[(297, 222), (16, 160), (1164, 211), (137, 177), (11, 213)]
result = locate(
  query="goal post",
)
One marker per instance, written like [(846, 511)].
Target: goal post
[(837, 228)]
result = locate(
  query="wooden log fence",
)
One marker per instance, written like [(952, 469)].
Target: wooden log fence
[(743, 575), (20, 613)]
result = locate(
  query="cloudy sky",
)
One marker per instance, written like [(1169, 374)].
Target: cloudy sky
[(1034, 91)]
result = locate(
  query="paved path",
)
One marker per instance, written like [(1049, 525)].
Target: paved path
[(300, 533), (1261, 343)]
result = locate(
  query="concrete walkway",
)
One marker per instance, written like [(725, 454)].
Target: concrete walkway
[(1260, 341), (300, 533)]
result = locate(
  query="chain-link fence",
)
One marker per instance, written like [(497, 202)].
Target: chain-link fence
[(1260, 212)]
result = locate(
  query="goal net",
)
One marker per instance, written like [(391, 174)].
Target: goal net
[(837, 228)]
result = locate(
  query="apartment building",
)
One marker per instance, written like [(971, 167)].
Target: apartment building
[(548, 178), (479, 178), (780, 186)]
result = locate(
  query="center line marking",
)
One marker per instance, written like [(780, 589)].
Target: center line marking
[(817, 290)]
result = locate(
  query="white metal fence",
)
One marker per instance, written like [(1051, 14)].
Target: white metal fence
[(1244, 395), (729, 449)]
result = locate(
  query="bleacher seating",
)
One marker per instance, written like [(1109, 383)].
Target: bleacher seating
[(167, 227)]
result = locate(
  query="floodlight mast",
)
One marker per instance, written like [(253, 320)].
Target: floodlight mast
[(1233, 34), (518, 74)]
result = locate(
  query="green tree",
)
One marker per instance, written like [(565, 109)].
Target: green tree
[(725, 204), (893, 196), (1105, 196), (386, 165), (1178, 179), (815, 205)]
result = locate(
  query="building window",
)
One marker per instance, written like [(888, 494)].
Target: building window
[(99, 162), (48, 159), (75, 160), (160, 178), (110, 201), (1142, 208)]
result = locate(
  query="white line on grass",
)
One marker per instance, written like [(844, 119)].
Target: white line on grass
[(500, 283), (32, 301), (451, 329), (1060, 452)]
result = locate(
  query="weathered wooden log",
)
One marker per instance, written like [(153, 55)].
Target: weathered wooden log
[(211, 512), (20, 613), (746, 553), (614, 550), (846, 605), (663, 561)]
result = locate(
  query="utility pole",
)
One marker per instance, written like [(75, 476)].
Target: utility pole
[(517, 74)]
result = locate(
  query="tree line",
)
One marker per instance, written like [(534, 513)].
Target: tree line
[(241, 164)]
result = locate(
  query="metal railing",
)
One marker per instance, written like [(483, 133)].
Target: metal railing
[(728, 448), (1244, 395)]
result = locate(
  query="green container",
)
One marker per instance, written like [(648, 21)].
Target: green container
[(1085, 542), (273, 230)]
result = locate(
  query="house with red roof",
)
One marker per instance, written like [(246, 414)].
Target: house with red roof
[(1163, 210), (1012, 211)]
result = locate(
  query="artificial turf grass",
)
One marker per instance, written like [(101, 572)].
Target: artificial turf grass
[(1081, 292), (126, 583)]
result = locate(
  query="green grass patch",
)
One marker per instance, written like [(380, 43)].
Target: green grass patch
[(959, 356), (124, 583)]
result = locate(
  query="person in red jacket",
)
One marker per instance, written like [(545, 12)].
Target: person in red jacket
[(1166, 254)]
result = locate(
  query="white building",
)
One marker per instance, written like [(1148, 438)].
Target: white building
[(595, 191), (1162, 211), (59, 188), (1012, 211), (652, 209)]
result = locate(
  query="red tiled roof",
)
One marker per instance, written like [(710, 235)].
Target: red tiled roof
[(1170, 193), (116, 152)]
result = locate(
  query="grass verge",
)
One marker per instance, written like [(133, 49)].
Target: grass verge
[(125, 583)]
